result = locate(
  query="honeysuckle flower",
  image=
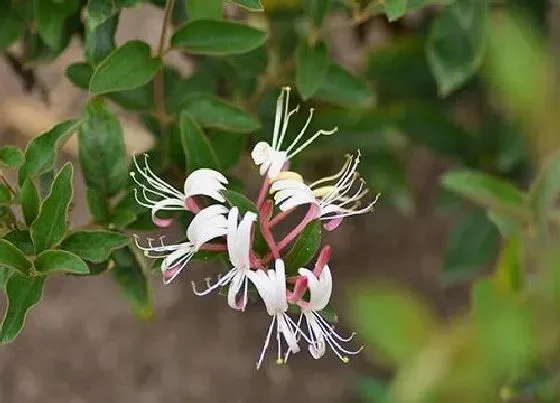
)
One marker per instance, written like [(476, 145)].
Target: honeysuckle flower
[(336, 196), (159, 195), (272, 159), (271, 286), (206, 225), (320, 332), (239, 249)]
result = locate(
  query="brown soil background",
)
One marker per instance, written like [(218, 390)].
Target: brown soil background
[(81, 344)]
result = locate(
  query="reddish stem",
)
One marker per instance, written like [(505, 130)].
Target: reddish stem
[(322, 260), (298, 291), (279, 217), (264, 217), (311, 215), (263, 192), (216, 247)]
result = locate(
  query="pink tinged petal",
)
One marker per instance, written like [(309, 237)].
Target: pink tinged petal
[(165, 204), (170, 273), (234, 287), (192, 206), (322, 260), (331, 225), (298, 291)]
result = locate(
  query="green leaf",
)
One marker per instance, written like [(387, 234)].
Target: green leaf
[(99, 11), (79, 74), (217, 37), (130, 277), (95, 245), (472, 243), (304, 248), (342, 88), (30, 201), (11, 157), (50, 226), (52, 261), (317, 10), (395, 322), (5, 194), (12, 26), (100, 41), (312, 64), (239, 200), (228, 147), (41, 152), (510, 269), (251, 5), (22, 294), (21, 239), (7, 219), (12, 257), (102, 150), (210, 111), (179, 90), (487, 191), (5, 274), (129, 66), (50, 17), (98, 205), (204, 9), (545, 190), (395, 9), (456, 44), (198, 150)]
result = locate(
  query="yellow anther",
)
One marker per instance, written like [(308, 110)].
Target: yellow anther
[(287, 175), (279, 361), (323, 191), (146, 253), (345, 360)]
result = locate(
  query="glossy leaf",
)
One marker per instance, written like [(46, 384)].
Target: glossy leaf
[(198, 150), (94, 245), (50, 226), (50, 17), (41, 152), (312, 64), (471, 244), (342, 88), (13, 258), (129, 66), (51, 261), (11, 157), (12, 26), (217, 37), (212, 112), (304, 248), (79, 74), (22, 293), (102, 150), (251, 5), (131, 279), (30, 201), (456, 45), (204, 9), (239, 200)]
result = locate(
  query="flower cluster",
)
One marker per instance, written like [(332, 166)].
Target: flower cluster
[(219, 227)]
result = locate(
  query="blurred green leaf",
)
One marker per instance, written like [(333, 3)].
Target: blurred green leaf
[(510, 269), (342, 88), (102, 150), (41, 152), (210, 111), (99, 11), (98, 205), (317, 10), (5, 194), (50, 226), (471, 244), (30, 201), (131, 279), (12, 25), (13, 258), (196, 146), (179, 90), (487, 191), (456, 44), (228, 147), (252, 64), (11, 157), (395, 9), (129, 66), (204, 9), (312, 64), (50, 16), (51, 261), (100, 41), (94, 245), (251, 5), (217, 37), (394, 321), (22, 294), (239, 200), (373, 390), (545, 190), (304, 248)]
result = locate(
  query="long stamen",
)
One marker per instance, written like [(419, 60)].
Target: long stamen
[(298, 337), (301, 132), (331, 329), (311, 140), (266, 342), (277, 119), (335, 176), (279, 358), (158, 180), (220, 283)]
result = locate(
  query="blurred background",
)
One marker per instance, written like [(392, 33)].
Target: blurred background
[(440, 87)]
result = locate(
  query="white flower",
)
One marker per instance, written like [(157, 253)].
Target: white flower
[(335, 200), (271, 286), (239, 248), (320, 332), (272, 159), (206, 225), (159, 195)]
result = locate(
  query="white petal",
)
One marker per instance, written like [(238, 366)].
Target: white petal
[(289, 335), (165, 204), (265, 289), (280, 286), (234, 287), (205, 182)]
